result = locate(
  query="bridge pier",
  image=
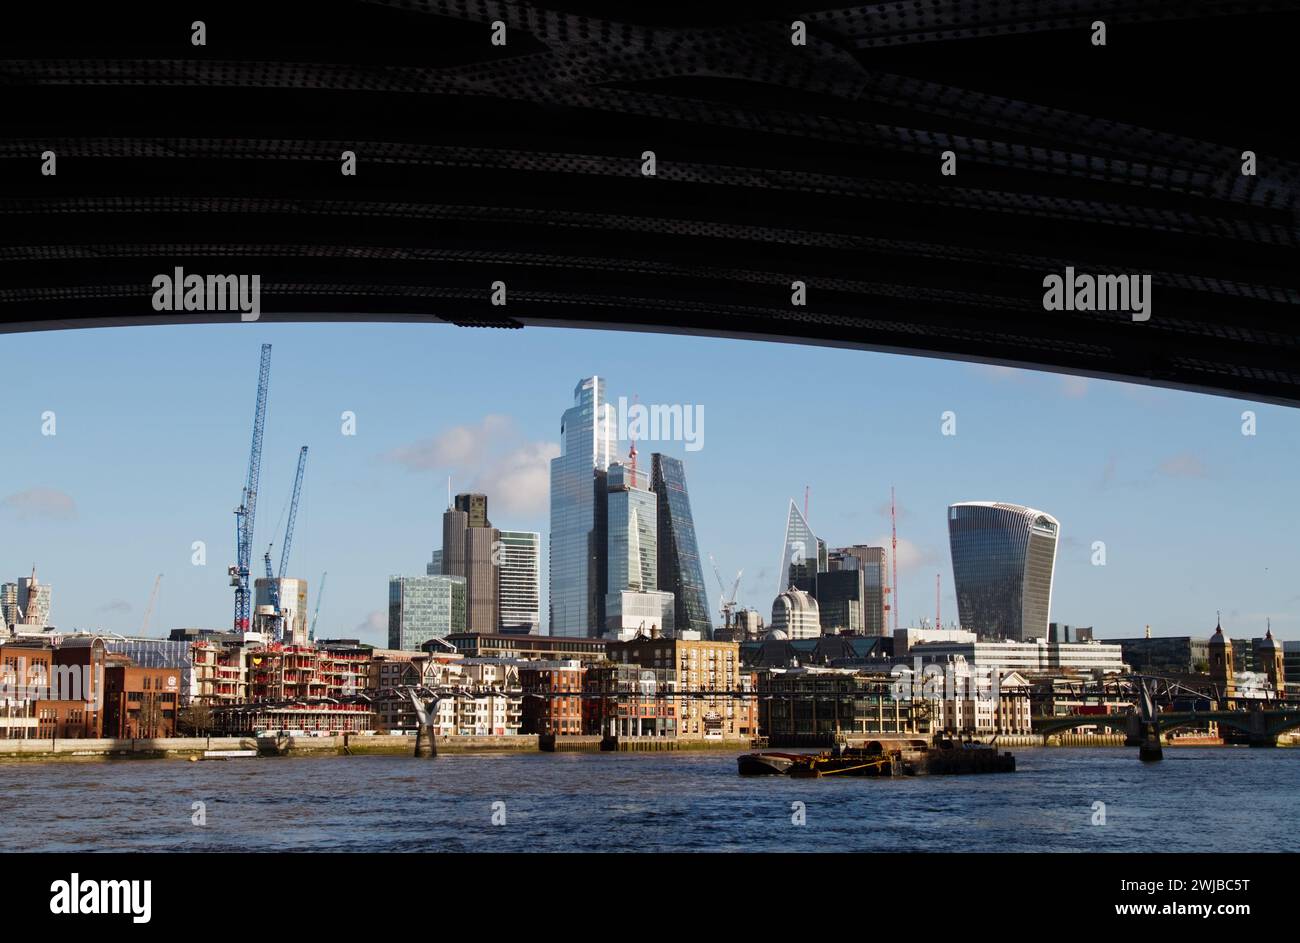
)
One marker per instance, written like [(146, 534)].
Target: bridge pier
[(1149, 748), (1133, 731), (1258, 733), (425, 745)]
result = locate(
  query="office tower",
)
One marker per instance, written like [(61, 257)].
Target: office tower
[(578, 492), (8, 603), (519, 581), (872, 561), (839, 593), (454, 525), (434, 566), (633, 601), (632, 536), (803, 554), (795, 615), (475, 507), (469, 549), (483, 612), (1002, 561), (34, 600), (680, 571), (424, 607), (291, 625)]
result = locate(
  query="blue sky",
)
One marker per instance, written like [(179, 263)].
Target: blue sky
[(153, 429)]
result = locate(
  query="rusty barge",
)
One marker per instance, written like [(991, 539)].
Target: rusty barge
[(884, 757)]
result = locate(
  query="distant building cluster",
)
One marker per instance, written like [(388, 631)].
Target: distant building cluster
[(629, 650), (25, 604), (623, 553)]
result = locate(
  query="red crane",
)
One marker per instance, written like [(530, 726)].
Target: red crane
[(938, 624)]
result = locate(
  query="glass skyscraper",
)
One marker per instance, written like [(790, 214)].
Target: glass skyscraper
[(577, 551), (633, 601), (803, 555), (680, 571), (875, 583), (424, 607), (1003, 556), (632, 538)]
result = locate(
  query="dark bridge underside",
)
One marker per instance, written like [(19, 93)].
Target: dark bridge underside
[(776, 163)]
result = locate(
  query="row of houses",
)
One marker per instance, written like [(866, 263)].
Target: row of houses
[(478, 685)]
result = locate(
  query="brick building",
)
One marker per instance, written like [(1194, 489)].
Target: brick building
[(140, 702), (552, 692), (715, 695)]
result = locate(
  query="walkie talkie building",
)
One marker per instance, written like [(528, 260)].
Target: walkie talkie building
[(1003, 556)]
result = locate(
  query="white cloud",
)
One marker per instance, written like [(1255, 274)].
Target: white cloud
[(374, 629), (41, 503), (490, 456), (910, 555), (457, 448), (520, 482)]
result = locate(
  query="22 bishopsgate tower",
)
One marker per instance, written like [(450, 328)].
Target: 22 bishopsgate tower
[(578, 498)]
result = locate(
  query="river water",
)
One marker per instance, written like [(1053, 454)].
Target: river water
[(1197, 799)]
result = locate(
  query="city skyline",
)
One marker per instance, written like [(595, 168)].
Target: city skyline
[(133, 477)]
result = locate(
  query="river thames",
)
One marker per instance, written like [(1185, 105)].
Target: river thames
[(1197, 799)]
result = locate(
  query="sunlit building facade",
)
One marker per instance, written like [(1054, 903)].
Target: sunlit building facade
[(577, 548), (875, 583), (633, 602), (520, 578), (795, 615), (424, 607)]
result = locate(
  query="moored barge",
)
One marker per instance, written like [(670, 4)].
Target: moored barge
[(885, 757)]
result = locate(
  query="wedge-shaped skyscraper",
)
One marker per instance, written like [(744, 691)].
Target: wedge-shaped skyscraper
[(680, 571), (803, 555)]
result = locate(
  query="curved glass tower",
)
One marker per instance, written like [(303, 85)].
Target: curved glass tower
[(679, 555), (1003, 556)]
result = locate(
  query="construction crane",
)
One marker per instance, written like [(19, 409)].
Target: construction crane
[(148, 610), (893, 579), (247, 510), (938, 624), (273, 582), (728, 606), (311, 636)]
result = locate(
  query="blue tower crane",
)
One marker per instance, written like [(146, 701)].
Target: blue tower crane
[(247, 510), (311, 636), (293, 513), (273, 583)]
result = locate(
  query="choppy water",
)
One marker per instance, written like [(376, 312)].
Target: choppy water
[(1196, 800)]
